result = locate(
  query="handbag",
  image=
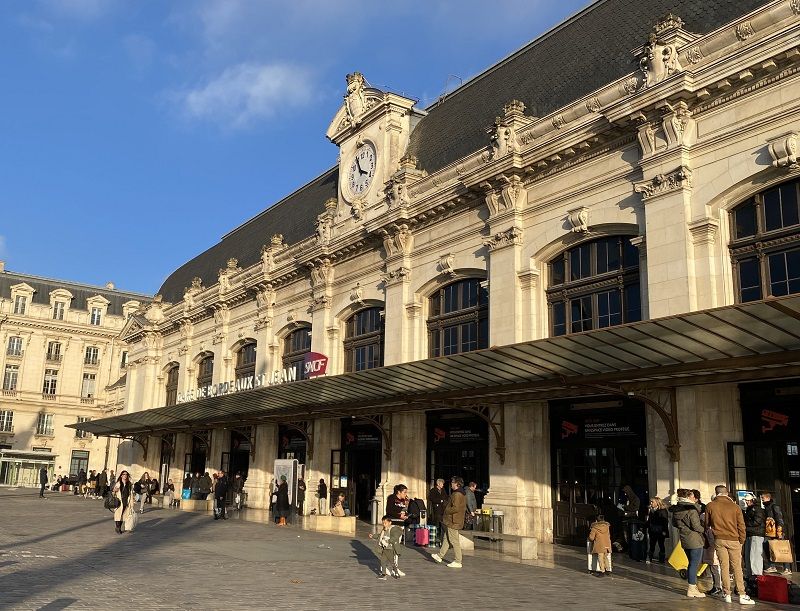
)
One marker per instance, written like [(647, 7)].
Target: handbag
[(131, 521), (780, 550), (112, 502)]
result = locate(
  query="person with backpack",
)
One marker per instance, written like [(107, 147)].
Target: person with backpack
[(773, 529), (453, 521), (686, 518)]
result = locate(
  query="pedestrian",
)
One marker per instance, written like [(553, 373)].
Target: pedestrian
[(700, 503), (220, 494), (282, 502), (123, 490), (322, 496), (726, 521), (153, 489), (437, 500), (389, 543), (141, 487), (204, 486), (81, 483), (340, 509), (195, 486), (301, 495), (686, 518), (397, 504), (657, 528), (711, 558), (187, 484), (630, 513), (102, 483), (600, 538), (453, 521), (42, 481), (169, 493), (754, 526), (238, 490), (472, 505), (774, 526)]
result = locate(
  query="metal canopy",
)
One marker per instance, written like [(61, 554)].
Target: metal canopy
[(751, 341)]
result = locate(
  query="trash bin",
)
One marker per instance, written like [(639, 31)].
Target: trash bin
[(637, 540), (497, 522), (373, 510), (484, 520)]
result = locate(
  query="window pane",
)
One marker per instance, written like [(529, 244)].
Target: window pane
[(793, 271), (749, 280), (609, 310), (557, 271), (607, 255), (772, 209), (435, 343), (559, 318), (789, 204), (483, 333), (630, 253), (580, 262), (745, 220), (633, 303), (777, 275), (435, 305), (450, 335), (581, 314)]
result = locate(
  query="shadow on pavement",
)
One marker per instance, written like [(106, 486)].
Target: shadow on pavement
[(365, 555), (59, 603)]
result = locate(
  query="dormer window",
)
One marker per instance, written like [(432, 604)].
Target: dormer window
[(58, 310), (20, 305), (96, 316)]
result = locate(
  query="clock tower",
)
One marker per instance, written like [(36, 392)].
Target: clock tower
[(372, 130)]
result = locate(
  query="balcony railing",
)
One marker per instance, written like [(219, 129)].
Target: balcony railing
[(11, 392), (55, 358), (87, 400), (45, 432), (13, 353), (48, 396), (6, 427), (91, 362)]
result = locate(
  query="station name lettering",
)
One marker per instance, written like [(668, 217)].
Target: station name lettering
[(274, 378)]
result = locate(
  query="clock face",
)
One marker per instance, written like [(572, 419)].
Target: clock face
[(362, 170)]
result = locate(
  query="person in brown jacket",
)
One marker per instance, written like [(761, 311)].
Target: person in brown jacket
[(725, 519), (453, 521), (600, 536)]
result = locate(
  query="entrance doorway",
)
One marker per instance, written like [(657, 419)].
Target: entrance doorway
[(598, 448), (239, 460), (291, 444), (769, 458), (196, 459), (356, 468), (458, 444)]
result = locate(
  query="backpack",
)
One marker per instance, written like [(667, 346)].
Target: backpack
[(137, 487), (770, 528)]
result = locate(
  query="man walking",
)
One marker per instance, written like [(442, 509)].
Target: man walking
[(220, 492), (102, 483), (754, 544), (453, 521), (725, 519), (437, 501), (42, 481), (773, 525), (472, 505)]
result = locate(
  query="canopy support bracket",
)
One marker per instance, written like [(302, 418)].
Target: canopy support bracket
[(383, 422), (306, 429), (495, 417)]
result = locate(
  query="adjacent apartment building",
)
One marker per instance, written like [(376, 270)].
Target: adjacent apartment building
[(60, 352), (577, 272)]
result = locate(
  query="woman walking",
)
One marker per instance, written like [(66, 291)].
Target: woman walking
[(686, 518), (123, 490), (658, 528), (282, 502)]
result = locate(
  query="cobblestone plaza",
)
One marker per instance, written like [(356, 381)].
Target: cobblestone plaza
[(62, 553)]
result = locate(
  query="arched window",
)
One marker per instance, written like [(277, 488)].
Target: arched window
[(363, 343), (205, 371), (459, 318), (172, 385), (765, 244), (594, 285), (246, 361), (295, 347)]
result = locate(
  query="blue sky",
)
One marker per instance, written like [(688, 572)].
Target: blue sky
[(134, 134)]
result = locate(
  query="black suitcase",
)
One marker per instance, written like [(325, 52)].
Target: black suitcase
[(637, 541)]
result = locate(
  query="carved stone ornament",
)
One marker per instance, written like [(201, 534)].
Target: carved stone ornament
[(579, 219), (694, 55), (357, 209), (503, 139), (446, 263), (262, 321), (631, 85), (357, 294), (559, 121), (680, 178), (321, 273), (186, 328), (744, 31), (704, 231), (324, 229), (658, 61), (221, 315), (218, 339), (504, 239), (398, 240), (593, 105), (668, 22), (396, 193), (265, 297), (646, 134), (182, 350), (678, 125), (355, 100), (783, 150), (795, 6), (401, 274)]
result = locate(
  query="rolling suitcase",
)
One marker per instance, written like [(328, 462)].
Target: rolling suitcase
[(773, 588), (422, 536)]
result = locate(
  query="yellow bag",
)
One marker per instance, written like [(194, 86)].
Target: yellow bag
[(679, 561)]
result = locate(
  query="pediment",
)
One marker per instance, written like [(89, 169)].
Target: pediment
[(61, 294), (98, 300), (358, 101), (22, 288), (133, 326)]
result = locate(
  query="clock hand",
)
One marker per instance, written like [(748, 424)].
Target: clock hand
[(358, 164)]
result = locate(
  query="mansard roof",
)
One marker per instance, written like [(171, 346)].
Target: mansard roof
[(587, 51), (80, 292)]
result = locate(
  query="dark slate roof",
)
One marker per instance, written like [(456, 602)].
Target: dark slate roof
[(80, 292), (293, 217), (587, 51), (575, 58)]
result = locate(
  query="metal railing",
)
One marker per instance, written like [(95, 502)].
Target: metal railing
[(56, 358), (14, 352)]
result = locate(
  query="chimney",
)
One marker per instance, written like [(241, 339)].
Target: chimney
[(2, 266)]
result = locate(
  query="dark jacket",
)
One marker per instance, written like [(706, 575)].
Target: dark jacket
[(221, 487), (322, 490), (81, 477), (395, 506), (238, 485), (686, 518), (282, 502), (204, 484), (454, 510), (754, 521), (658, 522), (187, 482), (437, 500), (43, 476), (725, 518), (102, 479), (771, 510)]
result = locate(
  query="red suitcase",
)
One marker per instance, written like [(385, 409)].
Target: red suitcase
[(422, 536), (772, 588)]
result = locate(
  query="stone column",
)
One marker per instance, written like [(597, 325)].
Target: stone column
[(409, 449), (262, 460), (398, 243), (706, 262), (327, 436)]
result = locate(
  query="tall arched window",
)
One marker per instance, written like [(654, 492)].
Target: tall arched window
[(594, 285), (765, 244), (205, 371), (172, 385), (295, 347), (246, 361), (363, 343), (459, 318)]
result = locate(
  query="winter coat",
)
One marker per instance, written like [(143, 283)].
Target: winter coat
[(82, 478), (771, 510), (322, 490), (454, 510), (187, 483), (686, 518), (600, 536), (43, 476), (472, 503), (725, 518), (125, 495), (102, 479), (437, 501), (393, 543), (282, 503), (754, 521), (204, 485), (238, 485), (658, 522), (395, 506), (221, 487)]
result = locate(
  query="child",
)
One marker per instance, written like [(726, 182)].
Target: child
[(389, 542), (600, 536)]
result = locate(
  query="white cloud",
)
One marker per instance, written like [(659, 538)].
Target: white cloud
[(247, 92)]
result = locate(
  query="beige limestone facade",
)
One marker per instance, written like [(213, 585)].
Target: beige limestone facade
[(62, 362), (652, 164)]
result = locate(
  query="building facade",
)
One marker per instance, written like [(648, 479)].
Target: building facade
[(60, 352), (574, 186)]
